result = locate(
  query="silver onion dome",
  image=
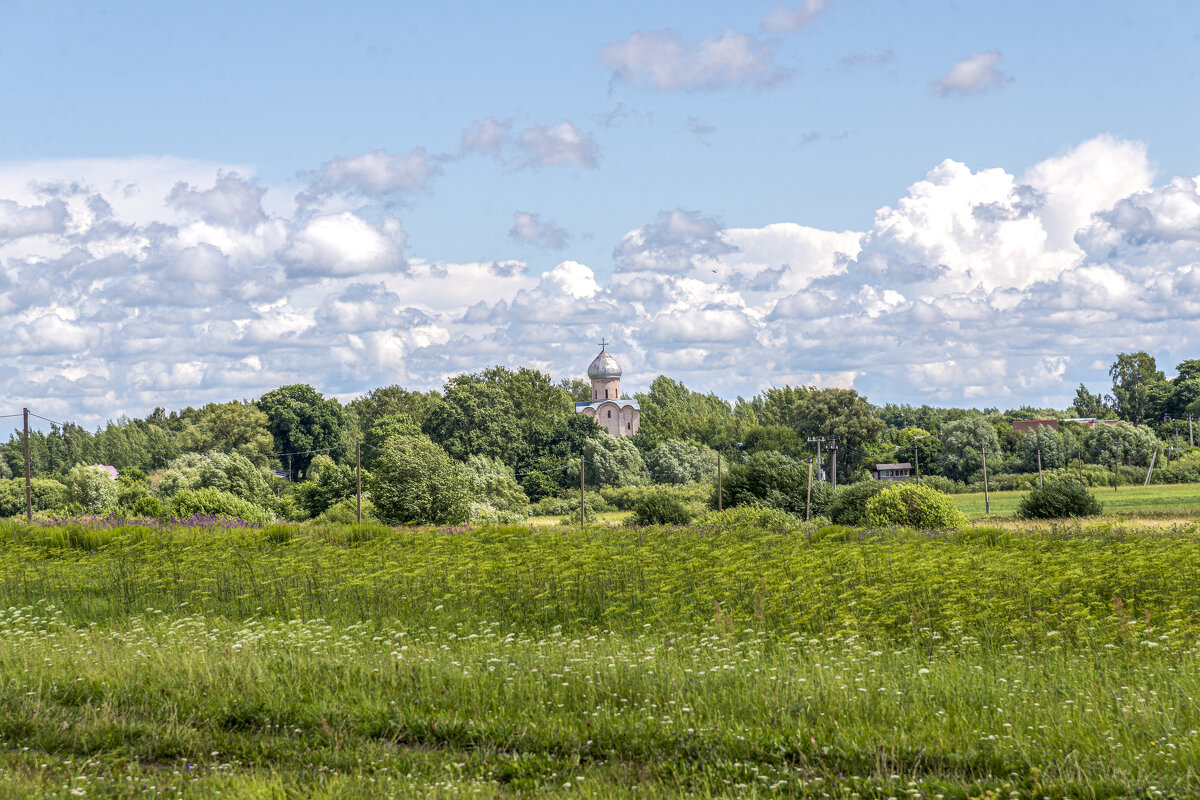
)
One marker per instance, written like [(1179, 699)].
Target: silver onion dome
[(604, 366)]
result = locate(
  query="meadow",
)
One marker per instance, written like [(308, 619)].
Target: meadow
[(733, 659), (1165, 501)]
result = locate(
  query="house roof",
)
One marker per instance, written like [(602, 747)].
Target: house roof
[(905, 465)]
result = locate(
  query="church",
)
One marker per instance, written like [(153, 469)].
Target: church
[(617, 416)]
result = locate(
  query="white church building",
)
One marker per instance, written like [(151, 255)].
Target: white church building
[(617, 416)]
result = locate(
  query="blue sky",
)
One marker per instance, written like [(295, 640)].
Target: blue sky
[(735, 194)]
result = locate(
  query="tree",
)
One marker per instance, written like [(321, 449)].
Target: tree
[(672, 411), (1121, 444), (914, 505), (1090, 405), (415, 481), (239, 428), (1050, 443), (385, 428), (612, 461), (301, 419), (963, 444), (92, 488), (1134, 377), (235, 475), (494, 485), (477, 418), (772, 479), (834, 414), (363, 413), (673, 461), (327, 484)]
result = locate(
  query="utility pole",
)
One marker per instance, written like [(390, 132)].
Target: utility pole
[(833, 447), (1150, 471), (818, 440), (987, 502), (808, 501), (917, 462), (358, 475), (720, 505), (1039, 467), (1191, 438), (581, 517), (28, 490), (291, 477)]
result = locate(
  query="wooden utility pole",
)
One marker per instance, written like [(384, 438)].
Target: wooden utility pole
[(291, 477), (987, 502), (358, 475), (1150, 471), (28, 488), (833, 469), (917, 462), (808, 501), (1039, 468), (818, 440), (581, 517), (720, 505)]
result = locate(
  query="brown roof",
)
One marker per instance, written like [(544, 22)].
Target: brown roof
[(905, 465)]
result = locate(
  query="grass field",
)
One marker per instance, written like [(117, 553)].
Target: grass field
[(1175, 501), (524, 661)]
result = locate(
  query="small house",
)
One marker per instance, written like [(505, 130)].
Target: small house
[(892, 472)]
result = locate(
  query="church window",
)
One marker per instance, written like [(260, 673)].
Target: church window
[(628, 425), (610, 415), (606, 394)]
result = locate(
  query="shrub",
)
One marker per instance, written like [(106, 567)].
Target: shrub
[(1061, 497), (345, 512), (415, 481), (186, 502), (661, 508), (47, 495), (232, 474), (493, 483), (775, 480), (849, 505), (673, 461), (914, 505), (93, 488), (148, 507)]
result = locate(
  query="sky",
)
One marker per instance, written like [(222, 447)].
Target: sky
[(950, 203)]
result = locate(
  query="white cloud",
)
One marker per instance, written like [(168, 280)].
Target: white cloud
[(661, 60), (488, 137), (17, 220), (557, 145), (788, 19), (972, 75), (530, 228), (376, 175), (977, 285), (345, 244)]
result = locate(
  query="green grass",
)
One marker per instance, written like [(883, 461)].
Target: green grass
[(1175, 501), (371, 662)]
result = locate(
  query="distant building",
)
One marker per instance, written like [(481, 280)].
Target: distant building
[(892, 472), (618, 416)]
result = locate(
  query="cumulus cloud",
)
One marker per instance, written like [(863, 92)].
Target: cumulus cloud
[(232, 202), (17, 220), (676, 242), (661, 60), (976, 285), (789, 19), (530, 228), (345, 244), (537, 146), (974, 74), (376, 175)]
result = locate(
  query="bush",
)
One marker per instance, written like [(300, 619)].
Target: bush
[(345, 512), (186, 502), (92, 488), (849, 505), (231, 474), (493, 483), (148, 507), (775, 480), (47, 495), (915, 506), (661, 508), (1061, 497), (415, 481), (751, 519)]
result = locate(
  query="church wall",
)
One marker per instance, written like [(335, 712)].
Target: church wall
[(602, 385)]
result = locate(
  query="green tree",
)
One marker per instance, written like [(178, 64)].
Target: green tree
[(840, 415), (233, 474), (383, 429), (963, 443), (415, 481), (1136, 379), (775, 480), (477, 418), (363, 413), (1050, 443), (672, 411), (327, 484), (301, 419), (494, 485), (238, 428), (1121, 444), (92, 488), (673, 461), (612, 461), (1088, 404)]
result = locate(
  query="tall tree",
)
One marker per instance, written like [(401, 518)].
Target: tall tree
[(1090, 405), (1134, 377), (301, 419), (963, 443), (240, 428)]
